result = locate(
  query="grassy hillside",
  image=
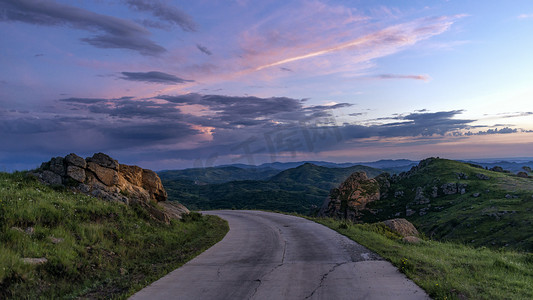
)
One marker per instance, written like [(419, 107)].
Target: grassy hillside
[(300, 190), (320, 177), (448, 270), (495, 209), (93, 248), (218, 174), (511, 166)]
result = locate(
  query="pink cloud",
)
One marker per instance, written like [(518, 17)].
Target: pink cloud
[(422, 77), (345, 44), (525, 16)]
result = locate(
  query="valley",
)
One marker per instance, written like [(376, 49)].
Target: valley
[(447, 200)]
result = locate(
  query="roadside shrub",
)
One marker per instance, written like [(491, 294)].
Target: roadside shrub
[(191, 217)]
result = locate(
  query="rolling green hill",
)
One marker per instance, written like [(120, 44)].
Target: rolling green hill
[(455, 201), (320, 177), (300, 190), (218, 174)]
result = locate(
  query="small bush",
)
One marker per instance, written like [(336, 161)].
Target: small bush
[(191, 217)]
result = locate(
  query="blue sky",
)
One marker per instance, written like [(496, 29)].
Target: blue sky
[(167, 84)]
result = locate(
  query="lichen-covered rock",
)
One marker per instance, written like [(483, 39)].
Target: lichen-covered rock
[(57, 166), (402, 227), (174, 209), (76, 173), (103, 160), (50, 178), (132, 174), (107, 176), (35, 260), (103, 177), (522, 174), (449, 188), (420, 198), (74, 160), (351, 197), (153, 185), (482, 176)]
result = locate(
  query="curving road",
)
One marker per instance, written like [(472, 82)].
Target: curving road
[(275, 256)]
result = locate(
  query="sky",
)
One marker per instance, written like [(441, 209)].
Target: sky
[(179, 84)]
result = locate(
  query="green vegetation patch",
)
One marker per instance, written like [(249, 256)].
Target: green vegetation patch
[(56, 244), (447, 270), (494, 211), (301, 189)]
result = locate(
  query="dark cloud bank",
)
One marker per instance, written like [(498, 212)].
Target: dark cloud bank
[(149, 129), (153, 77), (165, 12), (110, 32)]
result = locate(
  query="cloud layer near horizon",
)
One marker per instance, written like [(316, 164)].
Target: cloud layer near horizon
[(195, 126)]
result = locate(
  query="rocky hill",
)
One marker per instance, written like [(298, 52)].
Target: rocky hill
[(103, 177), (446, 200), (351, 197)]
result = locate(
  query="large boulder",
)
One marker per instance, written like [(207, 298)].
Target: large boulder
[(152, 183), (132, 174), (74, 160), (76, 173), (351, 197), (522, 174), (103, 160), (402, 227), (107, 176)]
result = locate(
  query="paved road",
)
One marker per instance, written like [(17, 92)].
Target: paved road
[(274, 256)]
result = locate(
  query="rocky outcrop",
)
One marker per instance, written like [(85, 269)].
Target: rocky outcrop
[(405, 229), (454, 188), (482, 176), (522, 174), (402, 227), (424, 163), (419, 197), (351, 197), (103, 177)]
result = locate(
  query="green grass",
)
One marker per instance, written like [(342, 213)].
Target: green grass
[(108, 250), (500, 215), (301, 189), (447, 270)]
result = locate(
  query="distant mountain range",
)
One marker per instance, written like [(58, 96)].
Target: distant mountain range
[(512, 166), (403, 164)]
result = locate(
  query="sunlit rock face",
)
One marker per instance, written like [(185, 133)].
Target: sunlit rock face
[(351, 196), (103, 177)]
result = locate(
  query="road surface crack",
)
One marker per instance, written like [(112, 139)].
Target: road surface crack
[(324, 276), (284, 249), (256, 288), (271, 271)]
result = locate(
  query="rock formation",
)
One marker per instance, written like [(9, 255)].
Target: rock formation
[(103, 177), (402, 227), (351, 197), (522, 174)]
